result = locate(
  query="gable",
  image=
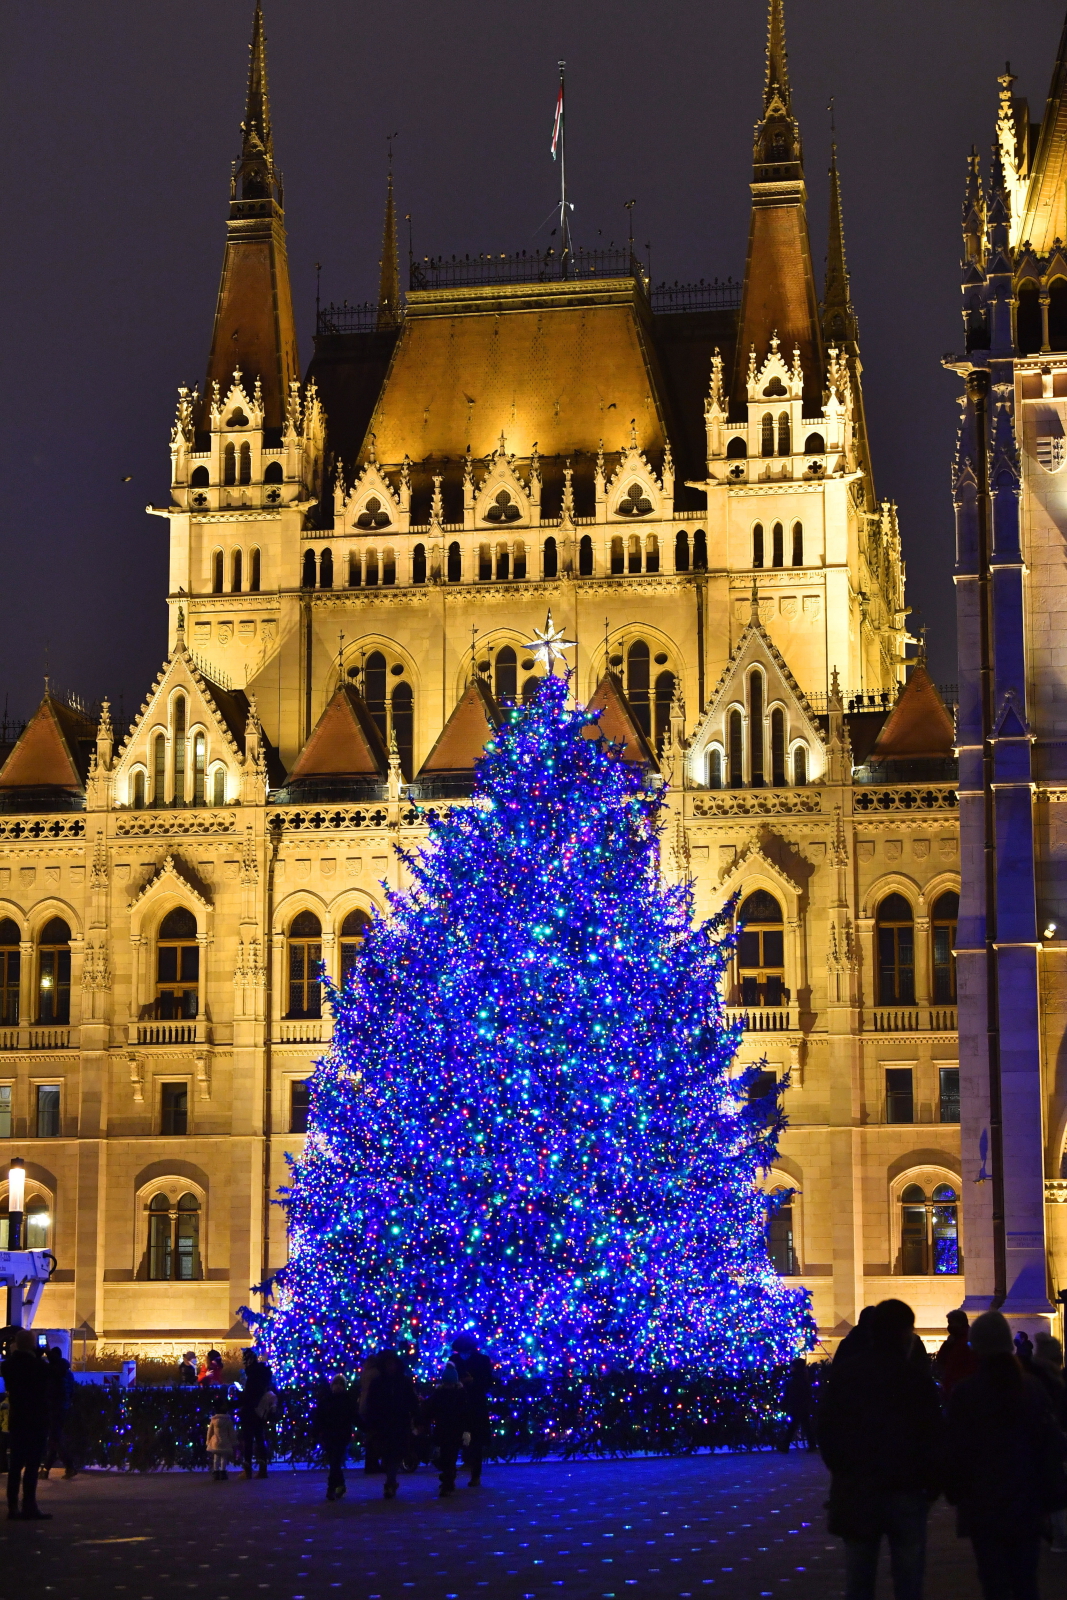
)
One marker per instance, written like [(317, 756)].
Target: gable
[(224, 712), (462, 740), (617, 722), (52, 750), (345, 741)]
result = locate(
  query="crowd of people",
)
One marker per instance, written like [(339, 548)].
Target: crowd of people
[(38, 1391)]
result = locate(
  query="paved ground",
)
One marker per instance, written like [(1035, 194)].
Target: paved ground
[(723, 1527)]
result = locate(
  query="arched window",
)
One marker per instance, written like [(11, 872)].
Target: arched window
[(784, 444), (273, 473), (663, 697), (218, 791), (633, 553), (236, 564), (179, 750), (638, 672), (585, 556), (652, 553), (798, 544), (354, 930), (159, 770), (373, 515), (245, 473), (800, 765), (714, 769), (737, 751), (454, 571), (814, 445), (53, 972), (37, 1224), (635, 502), (757, 545), (403, 706), (737, 449), (755, 729), (305, 954), (896, 952), (229, 464), (200, 478), (618, 557), (507, 674), (137, 789), (700, 551), (761, 951), (199, 769), (767, 435), (370, 569), (418, 564), (503, 563), (780, 1246), (307, 576), (778, 778), (326, 570), (255, 567), (177, 967), (945, 917), (503, 508), (1057, 314), (374, 691), (353, 570), (1027, 318), (174, 1239), (217, 572), (10, 972), (388, 567), (681, 551), (777, 545), (929, 1231), (530, 686), (550, 558)]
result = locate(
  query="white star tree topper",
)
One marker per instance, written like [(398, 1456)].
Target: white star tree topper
[(548, 645)]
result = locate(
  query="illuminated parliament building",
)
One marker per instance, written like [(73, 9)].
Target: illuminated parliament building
[(360, 550)]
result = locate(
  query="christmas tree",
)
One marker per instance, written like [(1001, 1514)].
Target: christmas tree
[(527, 1123)]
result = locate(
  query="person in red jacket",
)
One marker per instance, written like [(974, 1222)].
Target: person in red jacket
[(955, 1359)]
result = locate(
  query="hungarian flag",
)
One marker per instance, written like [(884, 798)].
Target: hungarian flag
[(557, 123)]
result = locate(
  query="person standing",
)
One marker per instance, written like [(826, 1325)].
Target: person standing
[(335, 1418), (26, 1382), (447, 1415), (255, 1405), (1004, 1456), (798, 1402), (210, 1374), (221, 1444), (389, 1414), (476, 1373), (955, 1359), (60, 1400), (187, 1370), (879, 1432)]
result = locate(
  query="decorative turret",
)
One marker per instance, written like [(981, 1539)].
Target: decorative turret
[(839, 323), (254, 327), (389, 310)]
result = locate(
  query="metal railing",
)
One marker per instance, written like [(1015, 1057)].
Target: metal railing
[(533, 266), (718, 295), (359, 317)]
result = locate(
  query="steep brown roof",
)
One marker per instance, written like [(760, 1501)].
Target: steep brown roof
[(461, 741), (1045, 212), (918, 725), (345, 741), (53, 750), (617, 721)]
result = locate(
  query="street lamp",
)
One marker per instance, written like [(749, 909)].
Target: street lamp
[(16, 1202)]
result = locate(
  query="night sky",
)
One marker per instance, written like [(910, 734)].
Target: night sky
[(119, 122)]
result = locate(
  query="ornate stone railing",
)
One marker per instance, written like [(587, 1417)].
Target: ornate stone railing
[(756, 802), (764, 1019), (166, 1033), (48, 1038), (303, 1030), (330, 819), (62, 826), (904, 797), (138, 824), (9, 1038), (911, 1019)]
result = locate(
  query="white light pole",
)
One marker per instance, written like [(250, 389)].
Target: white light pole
[(16, 1202)]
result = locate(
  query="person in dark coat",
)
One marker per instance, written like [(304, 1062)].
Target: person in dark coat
[(390, 1415), (252, 1412), (955, 1359), (446, 1414), (799, 1406), (60, 1400), (335, 1418), (1004, 1463), (25, 1378), (879, 1430), (187, 1368), (476, 1374)]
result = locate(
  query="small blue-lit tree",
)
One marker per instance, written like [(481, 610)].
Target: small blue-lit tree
[(527, 1124)]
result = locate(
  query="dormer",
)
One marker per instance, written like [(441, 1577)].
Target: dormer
[(775, 395), (502, 500), (634, 492), (371, 507)]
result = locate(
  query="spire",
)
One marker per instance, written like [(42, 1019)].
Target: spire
[(779, 292), (389, 287), (254, 326), (838, 314)]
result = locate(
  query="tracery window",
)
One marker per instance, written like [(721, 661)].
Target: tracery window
[(943, 927), (800, 765), (638, 673), (218, 794), (714, 769), (737, 750), (199, 769), (53, 972), (403, 708), (778, 777), (635, 502), (177, 967), (755, 729), (896, 952), (374, 692), (761, 951), (503, 508), (373, 514), (174, 1239), (305, 954), (767, 435), (929, 1231), (784, 444)]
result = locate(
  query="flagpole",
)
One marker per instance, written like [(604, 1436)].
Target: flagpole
[(564, 217)]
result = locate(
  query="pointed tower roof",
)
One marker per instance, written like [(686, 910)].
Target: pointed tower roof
[(462, 740), (919, 726), (617, 722), (840, 325), (389, 283), (254, 326), (779, 294), (1045, 212), (53, 750), (345, 742)]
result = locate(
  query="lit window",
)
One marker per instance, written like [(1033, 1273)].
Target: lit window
[(896, 952), (354, 930), (47, 1111), (5, 1110), (949, 1094), (761, 951), (53, 972), (943, 925), (177, 967), (929, 1231), (305, 955), (780, 1246), (174, 1239), (299, 1104)]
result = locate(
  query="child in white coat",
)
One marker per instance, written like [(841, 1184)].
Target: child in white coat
[(221, 1444)]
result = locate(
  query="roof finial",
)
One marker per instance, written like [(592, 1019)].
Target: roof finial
[(839, 317), (257, 145), (389, 312), (776, 86)]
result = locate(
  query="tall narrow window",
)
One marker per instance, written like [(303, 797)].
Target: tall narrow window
[(507, 674), (53, 972), (663, 697), (700, 551), (299, 1105), (47, 1118), (353, 570), (681, 551), (767, 435), (255, 568), (305, 954), (798, 544), (757, 545), (274, 473), (530, 686), (217, 572), (633, 553), (326, 570), (899, 1094), (354, 930), (179, 750), (948, 1094), (10, 975), (159, 770), (944, 920), (519, 567), (777, 545), (780, 1246), (714, 769), (637, 685), (307, 571), (174, 1108), (800, 765), (485, 563), (913, 1252), (454, 572), (403, 706), (374, 691), (174, 1239), (737, 751), (503, 563), (229, 464), (929, 1231), (388, 568), (245, 473), (551, 558), (784, 445), (199, 769), (159, 1239), (896, 952), (137, 790), (418, 564), (761, 951), (778, 777), (177, 967), (370, 569), (218, 787), (585, 556), (652, 553), (618, 556), (755, 729), (236, 564)]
